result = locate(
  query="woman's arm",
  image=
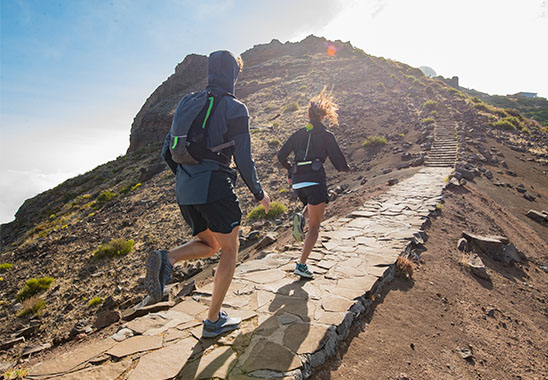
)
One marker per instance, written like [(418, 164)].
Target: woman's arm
[(335, 154)]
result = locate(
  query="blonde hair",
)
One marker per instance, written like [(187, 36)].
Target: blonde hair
[(240, 63), (322, 105)]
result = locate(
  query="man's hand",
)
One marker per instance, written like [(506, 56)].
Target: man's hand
[(265, 202)]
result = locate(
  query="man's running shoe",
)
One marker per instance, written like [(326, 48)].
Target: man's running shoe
[(303, 271), (220, 326), (158, 274), (298, 226)]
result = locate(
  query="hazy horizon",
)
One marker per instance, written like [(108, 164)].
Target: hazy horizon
[(74, 75)]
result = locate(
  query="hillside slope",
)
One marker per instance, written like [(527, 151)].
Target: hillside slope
[(56, 233)]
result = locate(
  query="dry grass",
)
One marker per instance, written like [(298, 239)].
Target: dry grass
[(404, 268)]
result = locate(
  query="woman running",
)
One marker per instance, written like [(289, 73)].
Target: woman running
[(312, 145)]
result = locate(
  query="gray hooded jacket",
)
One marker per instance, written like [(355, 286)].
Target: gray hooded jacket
[(210, 181)]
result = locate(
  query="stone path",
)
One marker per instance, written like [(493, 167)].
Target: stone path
[(289, 325), (444, 149)]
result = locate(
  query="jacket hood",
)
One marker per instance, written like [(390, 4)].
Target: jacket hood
[(222, 70)]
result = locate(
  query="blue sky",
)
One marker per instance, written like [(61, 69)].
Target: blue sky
[(73, 74)]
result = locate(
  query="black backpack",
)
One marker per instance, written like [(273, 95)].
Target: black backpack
[(188, 143)]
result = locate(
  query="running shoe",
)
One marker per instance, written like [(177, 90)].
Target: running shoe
[(223, 324), (303, 271), (158, 274), (298, 226)]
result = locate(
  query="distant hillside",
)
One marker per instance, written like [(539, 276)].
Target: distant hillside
[(534, 108)]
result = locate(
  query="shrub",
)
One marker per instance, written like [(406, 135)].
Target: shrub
[(507, 124), (428, 120), (5, 266), (513, 112), (16, 374), (269, 108), (95, 301), (274, 142), (434, 113), (430, 105), (482, 107), (374, 141), (32, 306), (404, 268), (475, 99), (292, 107), (276, 209), (103, 198), (276, 124), (544, 129), (525, 130), (457, 93), (33, 287), (116, 247)]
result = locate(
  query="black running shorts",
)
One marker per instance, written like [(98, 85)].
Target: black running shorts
[(220, 216), (313, 195)]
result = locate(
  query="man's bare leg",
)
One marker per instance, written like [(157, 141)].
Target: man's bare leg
[(229, 244), (205, 246)]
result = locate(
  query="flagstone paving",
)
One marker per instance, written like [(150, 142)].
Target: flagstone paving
[(289, 325)]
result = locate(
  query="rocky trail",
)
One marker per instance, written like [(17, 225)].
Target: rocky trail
[(290, 325)]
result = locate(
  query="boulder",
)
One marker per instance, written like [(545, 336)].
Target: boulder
[(106, 318), (462, 245), (529, 197), (477, 267), (539, 217), (270, 238), (465, 173)]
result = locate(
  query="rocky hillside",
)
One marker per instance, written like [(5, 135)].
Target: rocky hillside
[(388, 114)]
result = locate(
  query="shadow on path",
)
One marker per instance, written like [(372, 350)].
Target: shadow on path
[(271, 345)]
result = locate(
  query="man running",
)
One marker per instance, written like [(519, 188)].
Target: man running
[(205, 194)]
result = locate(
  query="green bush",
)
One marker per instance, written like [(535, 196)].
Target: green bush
[(95, 301), (374, 141), (33, 287), (32, 306), (434, 113), (475, 99), (103, 198), (292, 107), (15, 374), (430, 105), (428, 120), (274, 142), (513, 112), (116, 247), (5, 266), (504, 124), (457, 93), (276, 209), (525, 130)]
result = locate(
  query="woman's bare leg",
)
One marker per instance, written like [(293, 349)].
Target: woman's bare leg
[(315, 216)]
